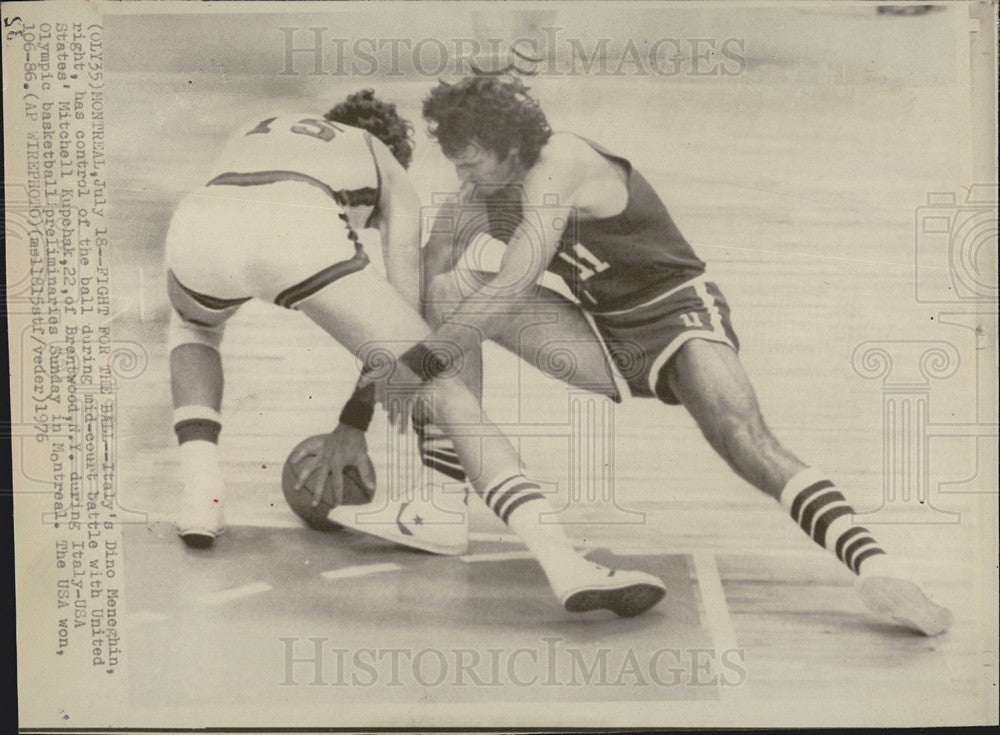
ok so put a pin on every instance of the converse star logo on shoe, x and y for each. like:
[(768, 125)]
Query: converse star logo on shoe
[(402, 526)]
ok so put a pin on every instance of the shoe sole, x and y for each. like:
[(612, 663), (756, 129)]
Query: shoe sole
[(626, 602), (199, 538), (904, 602)]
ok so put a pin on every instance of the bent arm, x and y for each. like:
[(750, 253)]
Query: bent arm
[(526, 256)]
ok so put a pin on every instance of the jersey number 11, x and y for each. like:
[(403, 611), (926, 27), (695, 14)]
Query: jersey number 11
[(584, 261)]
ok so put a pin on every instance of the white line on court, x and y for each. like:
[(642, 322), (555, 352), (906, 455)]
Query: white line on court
[(500, 538), (619, 551), (720, 625), (652, 550), (359, 571), (499, 556), (236, 593)]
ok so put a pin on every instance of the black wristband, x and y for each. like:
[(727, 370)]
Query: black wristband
[(426, 362), (360, 408)]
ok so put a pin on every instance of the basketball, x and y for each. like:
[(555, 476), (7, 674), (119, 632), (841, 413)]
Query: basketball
[(301, 500)]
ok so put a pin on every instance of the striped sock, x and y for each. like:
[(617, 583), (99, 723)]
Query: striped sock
[(823, 513), (519, 503), (436, 450)]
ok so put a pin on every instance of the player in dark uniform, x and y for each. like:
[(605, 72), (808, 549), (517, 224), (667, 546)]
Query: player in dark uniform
[(632, 272), (558, 202)]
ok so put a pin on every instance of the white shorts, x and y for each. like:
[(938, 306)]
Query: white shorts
[(281, 242)]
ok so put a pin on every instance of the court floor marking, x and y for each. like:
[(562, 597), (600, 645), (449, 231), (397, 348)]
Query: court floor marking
[(720, 625), (625, 548), (362, 570), (235, 593), (499, 556), (499, 538), (290, 521)]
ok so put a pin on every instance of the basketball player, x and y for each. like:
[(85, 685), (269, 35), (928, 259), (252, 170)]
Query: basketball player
[(559, 202), (277, 221)]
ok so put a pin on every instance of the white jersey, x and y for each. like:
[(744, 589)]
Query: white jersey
[(336, 157), (277, 220)]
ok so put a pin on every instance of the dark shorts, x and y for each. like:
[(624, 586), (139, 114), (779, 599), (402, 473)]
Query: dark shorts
[(642, 340)]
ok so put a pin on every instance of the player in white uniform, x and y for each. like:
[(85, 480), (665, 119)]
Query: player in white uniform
[(277, 221)]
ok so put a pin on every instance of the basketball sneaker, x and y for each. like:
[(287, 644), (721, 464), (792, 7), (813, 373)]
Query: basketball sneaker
[(583, 585), (200, 519), (892, 594), (428, 519)]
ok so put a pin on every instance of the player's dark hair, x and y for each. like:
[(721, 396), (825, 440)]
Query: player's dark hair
[(496, 112), (363, 110)]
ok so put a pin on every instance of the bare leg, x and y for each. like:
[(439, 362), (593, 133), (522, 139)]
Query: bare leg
[(547, 331), (196, 383), (547, 324), (712, 384), (196, 376)]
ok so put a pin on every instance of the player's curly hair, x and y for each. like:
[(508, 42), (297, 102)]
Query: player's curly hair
[(363, 110), (496, 112)]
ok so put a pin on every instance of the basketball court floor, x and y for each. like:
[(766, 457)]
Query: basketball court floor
[(802, 199)]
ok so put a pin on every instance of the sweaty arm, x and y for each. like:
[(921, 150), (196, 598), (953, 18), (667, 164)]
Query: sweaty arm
[(399, 225)]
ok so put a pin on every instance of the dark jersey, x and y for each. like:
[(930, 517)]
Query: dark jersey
[(612, 263)]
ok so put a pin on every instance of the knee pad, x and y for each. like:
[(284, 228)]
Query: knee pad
[(182, 332)]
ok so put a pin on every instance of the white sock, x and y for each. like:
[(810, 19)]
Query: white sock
[(200, 470), (518, 502), (197, 429)]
